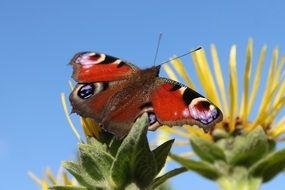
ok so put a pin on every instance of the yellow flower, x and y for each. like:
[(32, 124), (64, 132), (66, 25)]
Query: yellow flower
[(50, 180), (236, 114)]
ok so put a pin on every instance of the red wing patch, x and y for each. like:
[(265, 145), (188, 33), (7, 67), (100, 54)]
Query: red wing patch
[(169, 105), (94, 67), (175, 104)]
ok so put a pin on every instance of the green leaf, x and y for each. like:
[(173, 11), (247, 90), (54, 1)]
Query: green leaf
[(109, 144), (160, 180), (95, 162), (271, 145), (248, 149), (224, 168), (96, 144), (207, 150), (67, 188), (161, 153), (114, 146), (270, 166), (80, 174), (145, 168), (203, 168), (134, 160)]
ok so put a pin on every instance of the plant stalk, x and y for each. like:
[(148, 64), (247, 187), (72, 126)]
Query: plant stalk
[(229, 183)]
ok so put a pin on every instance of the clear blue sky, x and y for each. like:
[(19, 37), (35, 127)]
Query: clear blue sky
[(38, 38)]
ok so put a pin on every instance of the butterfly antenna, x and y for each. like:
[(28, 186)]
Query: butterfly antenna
[(189, 52), (157, 48)]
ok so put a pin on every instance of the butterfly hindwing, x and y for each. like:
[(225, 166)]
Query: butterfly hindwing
[(91, 67), (93, 99), (176, 104), (115, 105), (120, 119)]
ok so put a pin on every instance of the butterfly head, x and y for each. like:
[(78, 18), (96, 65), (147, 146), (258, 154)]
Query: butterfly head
[(151, 72)]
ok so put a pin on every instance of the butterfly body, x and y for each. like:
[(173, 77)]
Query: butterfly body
[(114, 93)]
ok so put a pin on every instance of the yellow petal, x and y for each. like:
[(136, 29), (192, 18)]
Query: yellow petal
[(280, 92), (169, 72), (279, 129), (219, 78), (34, 178), (51, 177), (90, 127), (187, 154), (264, 115), (278, 71), (198, 132), (162, 136), (85, 127), (246, 78), (177, 64), (205, 76), (70, 85), (66, 181), (221, 124), (279, 132), (272, 71), (272, 113), (279, 87), (257, 78), (44, 185), (180, 143), (176, 131), (268, 92), (68, 117), (96, 128), (74, 182), (233, 89)]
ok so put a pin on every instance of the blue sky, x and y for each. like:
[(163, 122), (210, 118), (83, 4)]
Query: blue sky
[(38, 38)]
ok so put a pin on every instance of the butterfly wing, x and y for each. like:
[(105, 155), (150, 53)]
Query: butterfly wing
[(89, 67), (90, 99), (123, 109), (115, 93), (175, 104), (115, 105)]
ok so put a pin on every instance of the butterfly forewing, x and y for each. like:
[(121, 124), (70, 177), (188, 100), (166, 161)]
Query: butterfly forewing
[(91, 67)]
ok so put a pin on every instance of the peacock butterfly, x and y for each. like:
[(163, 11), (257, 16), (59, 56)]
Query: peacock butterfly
[(114, 93)]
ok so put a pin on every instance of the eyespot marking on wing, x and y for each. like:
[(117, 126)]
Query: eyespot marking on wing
[(202, 110), (87, 90)]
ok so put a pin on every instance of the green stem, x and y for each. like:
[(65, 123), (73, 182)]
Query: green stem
[(229, 183)]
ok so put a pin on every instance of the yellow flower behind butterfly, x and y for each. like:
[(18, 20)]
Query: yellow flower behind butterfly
[(237, 110)]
